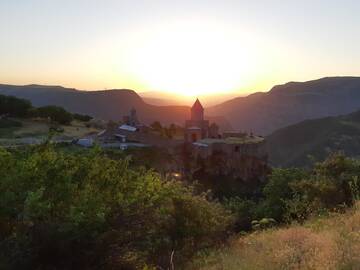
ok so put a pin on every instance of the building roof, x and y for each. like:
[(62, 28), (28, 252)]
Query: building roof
[(233, 140), (127, 128), (197, 105), (194, 128)]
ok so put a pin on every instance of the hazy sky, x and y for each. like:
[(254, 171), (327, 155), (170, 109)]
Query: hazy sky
[(189, 47)]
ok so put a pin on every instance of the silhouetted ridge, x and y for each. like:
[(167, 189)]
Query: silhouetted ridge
[(110, 104), (291, 103)]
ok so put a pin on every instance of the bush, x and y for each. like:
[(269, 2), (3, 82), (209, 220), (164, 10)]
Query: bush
[(14, 106), (277, 191), (9, 123), (329, 187), (296, 194), (82, 117), (62, 210), (243, 211), (55, 114)]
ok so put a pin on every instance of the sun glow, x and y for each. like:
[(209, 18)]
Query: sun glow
[(193, 59)]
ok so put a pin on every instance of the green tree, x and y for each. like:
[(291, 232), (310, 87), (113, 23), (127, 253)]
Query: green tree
[(328, 187), (55, 114), (82, 117), (14, 106), (277, 191), (64, 210)]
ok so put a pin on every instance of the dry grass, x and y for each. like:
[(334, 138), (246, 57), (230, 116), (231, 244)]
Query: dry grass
[(78, 129), (327, 243), (36, 130)]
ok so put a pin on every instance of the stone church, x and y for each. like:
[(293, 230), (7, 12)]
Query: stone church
[(197, 128)]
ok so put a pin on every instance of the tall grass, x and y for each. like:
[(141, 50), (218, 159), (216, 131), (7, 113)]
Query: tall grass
[(323, 243)]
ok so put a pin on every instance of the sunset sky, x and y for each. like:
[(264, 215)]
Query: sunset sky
[(186, 47)]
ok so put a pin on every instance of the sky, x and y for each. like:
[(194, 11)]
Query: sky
[(180, 47)]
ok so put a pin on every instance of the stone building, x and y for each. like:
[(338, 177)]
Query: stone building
[(196, 128), (238, 154), (214, 131), (242, 157)]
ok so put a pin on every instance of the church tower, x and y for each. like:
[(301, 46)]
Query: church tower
[(196, 128), (197, 111)]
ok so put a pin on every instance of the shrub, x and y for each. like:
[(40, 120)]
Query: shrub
[(82, 117), (14, 106), (277, 191), (243, 211), (62, 210), (330, 186), (55, 113), (9, 123)]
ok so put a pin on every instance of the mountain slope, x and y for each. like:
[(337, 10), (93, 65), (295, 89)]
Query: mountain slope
[(291, 103), (291, 146), (107, 104)]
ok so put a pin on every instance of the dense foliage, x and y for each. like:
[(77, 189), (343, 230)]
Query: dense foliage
[(9, 123), (289, 194), (55, 114), (61, 210), (82, 117), (17, 107), (14, 106), (286, 195)]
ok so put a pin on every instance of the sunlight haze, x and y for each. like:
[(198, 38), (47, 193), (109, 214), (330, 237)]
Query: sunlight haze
[(233, 47)]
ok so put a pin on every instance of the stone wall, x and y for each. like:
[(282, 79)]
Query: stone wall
[(245, 161)]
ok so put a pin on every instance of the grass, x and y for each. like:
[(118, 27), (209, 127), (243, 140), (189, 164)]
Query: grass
[(322, 243), (35, 129)]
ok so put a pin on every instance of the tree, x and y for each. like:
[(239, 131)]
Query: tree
[(14, 106), (56, 114), (156, 125), (63, 210), (277, 191), (82, 117)]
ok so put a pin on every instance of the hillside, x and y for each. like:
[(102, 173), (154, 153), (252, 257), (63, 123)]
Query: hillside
[(327, 243), (106, 104), (291, 103), (291, 146), (261, 113), (34, 131)]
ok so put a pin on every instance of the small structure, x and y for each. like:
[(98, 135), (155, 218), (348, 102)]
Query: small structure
[(85, 142), (127, 128), (132, 134)]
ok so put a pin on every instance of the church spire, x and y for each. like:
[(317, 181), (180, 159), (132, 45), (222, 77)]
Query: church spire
[(197, 105), (197, 111)]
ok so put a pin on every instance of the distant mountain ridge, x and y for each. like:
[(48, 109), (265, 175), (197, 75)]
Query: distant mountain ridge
[(292, 145), (106, 104), (287, 104), (261, 113), (166, 98)]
